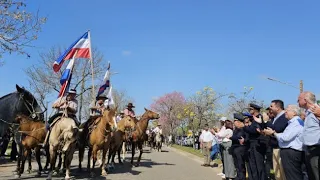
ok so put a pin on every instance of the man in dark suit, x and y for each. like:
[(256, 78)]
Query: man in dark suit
[(278, 124)]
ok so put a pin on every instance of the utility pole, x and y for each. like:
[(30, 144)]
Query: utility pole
[(301, 86)]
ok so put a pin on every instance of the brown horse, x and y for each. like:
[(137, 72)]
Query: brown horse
[(139, 135), (125, 126), (33, 133), (99, 139)]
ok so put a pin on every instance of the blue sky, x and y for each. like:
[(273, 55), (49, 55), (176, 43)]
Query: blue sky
[(164, 46)]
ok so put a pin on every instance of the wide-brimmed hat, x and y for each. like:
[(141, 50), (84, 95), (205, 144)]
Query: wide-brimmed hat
[(130, 105), (102, 97), (72, 91)]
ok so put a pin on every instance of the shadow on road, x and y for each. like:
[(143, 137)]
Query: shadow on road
[(127, 168)]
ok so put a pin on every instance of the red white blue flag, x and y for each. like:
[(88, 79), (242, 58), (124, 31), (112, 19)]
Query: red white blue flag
[(81, 46), (105, 83), (66, 78)]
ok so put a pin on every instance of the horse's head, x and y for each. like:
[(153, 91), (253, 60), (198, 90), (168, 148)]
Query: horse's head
[(28, 104), (21, 118), (69, 137), (110, 115), (127, 123), (150, 114)]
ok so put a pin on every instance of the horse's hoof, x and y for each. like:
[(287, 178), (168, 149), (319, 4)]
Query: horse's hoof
[(17, 176), (29, 171), (38, 174), (104, 173), (137, 165), (92, 174), (55, 173)]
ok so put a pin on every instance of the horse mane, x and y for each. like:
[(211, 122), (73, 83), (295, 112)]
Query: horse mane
[(8, 95)]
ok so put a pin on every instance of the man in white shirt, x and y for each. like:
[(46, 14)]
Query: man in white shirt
[(157, 129), (206, 139)]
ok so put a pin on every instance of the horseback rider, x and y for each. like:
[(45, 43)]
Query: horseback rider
[(119, 116), (158, 129), (98, 107), (129, 111), (69, 103)]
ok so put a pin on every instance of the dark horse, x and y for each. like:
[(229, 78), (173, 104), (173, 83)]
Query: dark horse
[(19, 102)]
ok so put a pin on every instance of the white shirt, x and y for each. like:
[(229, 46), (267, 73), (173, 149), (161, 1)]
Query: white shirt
[(157, 130), (147, 131), (73, 104), (227, 133), (206, 136), (221, 134)]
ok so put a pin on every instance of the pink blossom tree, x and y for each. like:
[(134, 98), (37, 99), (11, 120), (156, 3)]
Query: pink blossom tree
[(169, 106)]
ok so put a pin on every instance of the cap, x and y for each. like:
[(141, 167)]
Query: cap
[(72, 91), (206, 125), (130, 105), (223, 119), (238, 117), (246, 114), (254, 106)]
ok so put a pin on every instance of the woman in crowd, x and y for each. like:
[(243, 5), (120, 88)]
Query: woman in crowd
[(228, 164)]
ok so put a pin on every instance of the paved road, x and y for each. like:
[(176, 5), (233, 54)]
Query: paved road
[(171, 164)]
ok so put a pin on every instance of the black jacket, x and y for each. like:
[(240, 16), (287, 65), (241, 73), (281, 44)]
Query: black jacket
[(237, 134), (279, 126)]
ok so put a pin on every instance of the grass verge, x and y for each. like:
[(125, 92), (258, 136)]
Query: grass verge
[(193, 151)]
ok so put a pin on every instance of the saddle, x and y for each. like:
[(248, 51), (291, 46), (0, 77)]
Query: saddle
[(57, 119), (91, 124)]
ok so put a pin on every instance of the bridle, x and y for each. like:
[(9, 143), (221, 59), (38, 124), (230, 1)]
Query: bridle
[(29, 106)]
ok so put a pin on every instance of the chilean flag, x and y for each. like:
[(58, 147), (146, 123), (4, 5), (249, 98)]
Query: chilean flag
[(106, 82), (81, 46), (66, 78)]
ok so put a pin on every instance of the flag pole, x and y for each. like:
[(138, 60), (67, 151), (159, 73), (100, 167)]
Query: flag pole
[(91, 60)]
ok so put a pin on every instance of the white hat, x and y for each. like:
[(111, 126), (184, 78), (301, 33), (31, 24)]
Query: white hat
[(72, 91), (223, 119)]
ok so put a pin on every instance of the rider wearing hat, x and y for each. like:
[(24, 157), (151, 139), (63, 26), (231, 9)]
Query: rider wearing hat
[(158, 129), (98, 107), (68, 102), (129, 111)]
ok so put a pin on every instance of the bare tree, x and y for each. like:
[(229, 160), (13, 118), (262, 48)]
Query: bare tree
[(42, 77), (239, 103), (121, 99), (18, 27)]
